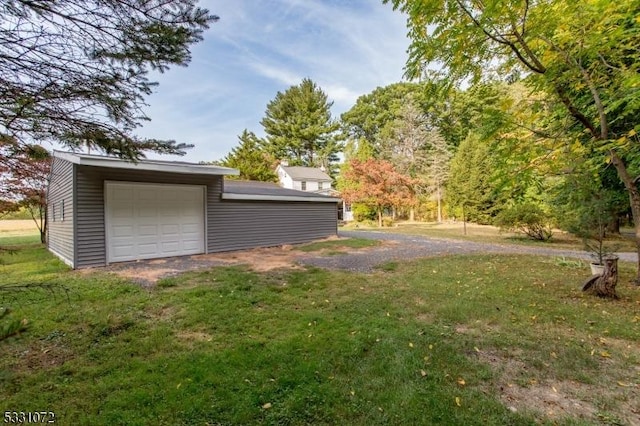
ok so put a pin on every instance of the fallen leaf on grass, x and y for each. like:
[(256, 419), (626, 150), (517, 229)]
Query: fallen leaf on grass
[(423, 373), (458, 401), (266, 406), (461, 381), (605, 354)]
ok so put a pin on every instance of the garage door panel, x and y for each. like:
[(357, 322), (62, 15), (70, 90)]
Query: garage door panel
[(190, 228), (147, 249), (171, 247), (122, 231), (147, 211), (122, 212), (190, 245), (124, 194), (147, 230), (170, 212), (146, 196), (122, 251), (172, 230), (146, 221)]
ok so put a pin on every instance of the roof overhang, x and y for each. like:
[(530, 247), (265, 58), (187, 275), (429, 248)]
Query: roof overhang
[(263, 197), (148, 165)]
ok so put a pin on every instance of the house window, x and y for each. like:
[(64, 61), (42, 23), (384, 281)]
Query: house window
[(303, 185), (53, 212), (319, 185)]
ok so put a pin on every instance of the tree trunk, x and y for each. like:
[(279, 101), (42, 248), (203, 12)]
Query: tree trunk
[(464, 221), (634, 201), (412, 214), (613, 227), (604, 285), (379, 218), (439, 205)]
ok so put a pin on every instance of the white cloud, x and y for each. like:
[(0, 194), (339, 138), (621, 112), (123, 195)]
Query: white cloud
[(259, 48), (341, 95), (281, 75)]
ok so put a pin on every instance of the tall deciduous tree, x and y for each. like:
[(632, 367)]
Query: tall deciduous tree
[(250, 158), (300, 128), (373, 113), (585, 54), (404, 144), (76, 71), (417, 149), (377, 184), (23, 182), (438, 164)]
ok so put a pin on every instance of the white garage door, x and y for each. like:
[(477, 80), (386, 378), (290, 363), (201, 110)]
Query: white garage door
[(146, 221)]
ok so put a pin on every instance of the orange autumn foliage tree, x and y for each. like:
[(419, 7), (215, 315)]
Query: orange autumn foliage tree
[(376, 184)]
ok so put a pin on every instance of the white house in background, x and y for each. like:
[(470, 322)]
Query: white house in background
[(308, 179), (311, 179)]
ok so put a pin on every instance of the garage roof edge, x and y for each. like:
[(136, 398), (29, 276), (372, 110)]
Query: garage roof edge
[(149, 165), (258, 197)]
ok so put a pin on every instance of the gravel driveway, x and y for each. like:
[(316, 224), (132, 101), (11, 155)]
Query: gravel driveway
[(397, 247), (413, 246)]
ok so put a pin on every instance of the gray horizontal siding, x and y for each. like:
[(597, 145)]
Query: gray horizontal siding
[(91, 244), (236, 225), (214, 192), (60, 191)]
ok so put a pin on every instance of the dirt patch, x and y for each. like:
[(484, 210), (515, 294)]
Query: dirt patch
[(425, 318), (164, 313), (148, 272), (147, 275), (42, 356), (552, 399), (196, 336), (259, 260)]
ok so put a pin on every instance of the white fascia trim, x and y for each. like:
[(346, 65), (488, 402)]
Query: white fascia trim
[(148, 165), (256, 197), (311, 180)]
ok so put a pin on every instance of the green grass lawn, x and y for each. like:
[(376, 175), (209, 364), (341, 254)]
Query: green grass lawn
[(340, 244), (462, 340)]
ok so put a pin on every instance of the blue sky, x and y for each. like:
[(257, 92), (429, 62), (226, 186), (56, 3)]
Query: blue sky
[(347, 47)]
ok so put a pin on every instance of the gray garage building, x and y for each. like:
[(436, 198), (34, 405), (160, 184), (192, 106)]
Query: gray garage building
[(103, 210)]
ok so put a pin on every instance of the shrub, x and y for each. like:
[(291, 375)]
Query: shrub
[(526, 218), (362, 212), (387, 222)]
